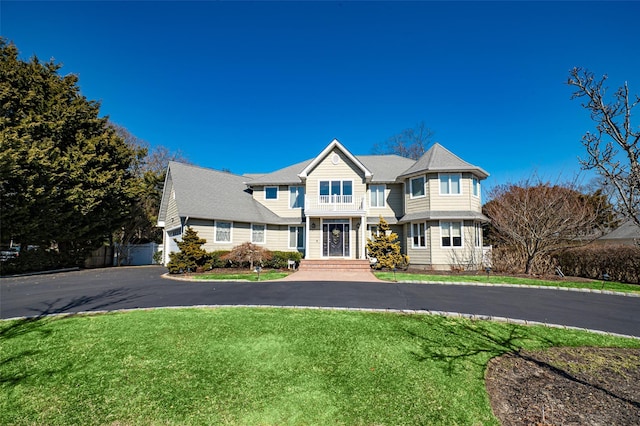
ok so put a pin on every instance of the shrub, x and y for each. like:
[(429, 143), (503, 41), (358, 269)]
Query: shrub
[(620, 262), (191, 257), (34, 260), (280, 259), (511, 259), (248, 254), (218, 259), (386, 249)]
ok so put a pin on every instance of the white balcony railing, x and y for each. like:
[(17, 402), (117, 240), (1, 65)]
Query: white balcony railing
[(335, 203), (335, 199)]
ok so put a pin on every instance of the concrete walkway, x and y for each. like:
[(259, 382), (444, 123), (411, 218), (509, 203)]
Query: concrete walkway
[(321, 275)]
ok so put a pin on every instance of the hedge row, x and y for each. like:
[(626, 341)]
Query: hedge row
[(620, 262), (35, 260), (279, 259)]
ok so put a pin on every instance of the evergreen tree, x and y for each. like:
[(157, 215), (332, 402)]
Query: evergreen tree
[(65, 175), (386, 249), (191, 257)]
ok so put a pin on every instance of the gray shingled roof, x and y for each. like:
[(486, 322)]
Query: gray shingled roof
[(439, 159), (210, 194), (385, 168), (443, 215), (286, 176)]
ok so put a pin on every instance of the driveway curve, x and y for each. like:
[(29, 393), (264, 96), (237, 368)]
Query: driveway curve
[(144, 287)]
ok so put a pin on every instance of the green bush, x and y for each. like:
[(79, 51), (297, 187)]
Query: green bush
[(620, 262), (280, 259), (218, 259), (34, 260), (385, 248), (191, 257)]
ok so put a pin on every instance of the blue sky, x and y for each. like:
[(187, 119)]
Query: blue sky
[(256, 86)]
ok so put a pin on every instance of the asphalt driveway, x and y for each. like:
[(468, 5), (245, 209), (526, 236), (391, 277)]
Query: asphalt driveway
[(143, 287)]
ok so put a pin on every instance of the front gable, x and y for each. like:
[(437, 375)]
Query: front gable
[(335, 154)]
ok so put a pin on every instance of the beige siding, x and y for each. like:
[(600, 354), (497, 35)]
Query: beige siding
[(277, 236), (315, 239), (172, 220), (415, 205), (393, 202), (205, 230), (417, 256), (279, 206), (464, 201), (344, 170), (466, 257)]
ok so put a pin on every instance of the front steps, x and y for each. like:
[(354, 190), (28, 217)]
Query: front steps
[(334, 265)]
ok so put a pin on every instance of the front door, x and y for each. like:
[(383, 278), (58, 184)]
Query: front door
[(335, 238)]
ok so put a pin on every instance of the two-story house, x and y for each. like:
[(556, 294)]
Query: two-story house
[(328, 206)]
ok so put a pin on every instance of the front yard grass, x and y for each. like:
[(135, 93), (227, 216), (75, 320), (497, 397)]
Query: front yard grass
[(244, 275), (499, 279), (241, 366)]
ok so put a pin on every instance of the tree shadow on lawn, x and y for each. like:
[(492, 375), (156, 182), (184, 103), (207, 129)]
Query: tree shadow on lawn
[(477, 343), (56, 310)]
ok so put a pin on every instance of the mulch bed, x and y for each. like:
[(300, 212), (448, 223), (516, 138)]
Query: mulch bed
[(566, 386)]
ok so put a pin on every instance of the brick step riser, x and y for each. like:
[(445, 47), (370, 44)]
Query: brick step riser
[(335, 265)]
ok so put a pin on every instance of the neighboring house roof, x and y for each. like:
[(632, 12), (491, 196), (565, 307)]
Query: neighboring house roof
[(210, 194), (628, 231), (443, 215), (439, 159)]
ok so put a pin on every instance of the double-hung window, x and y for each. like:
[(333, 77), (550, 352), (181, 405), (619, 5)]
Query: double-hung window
[(377, 195), (476, 186), (417, 235), (478, 235), (223, 232), (450, 184), (451, 233), (296, 197), (270, 192), (258, 234), (336, 191), (296, 237), (417, 187)]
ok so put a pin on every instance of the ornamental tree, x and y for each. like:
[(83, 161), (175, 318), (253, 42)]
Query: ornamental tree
[(384, 246), (248, 253)]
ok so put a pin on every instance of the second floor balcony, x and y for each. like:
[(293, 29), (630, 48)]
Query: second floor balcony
[(335, 205)]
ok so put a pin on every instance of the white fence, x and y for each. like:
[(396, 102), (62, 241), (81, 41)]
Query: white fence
[(135, 254)]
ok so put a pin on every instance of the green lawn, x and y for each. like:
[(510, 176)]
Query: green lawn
[(242, 276), (241, 366), (498, 279)]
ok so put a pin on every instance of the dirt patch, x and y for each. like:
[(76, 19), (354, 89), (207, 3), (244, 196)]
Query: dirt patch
[(566, 386)]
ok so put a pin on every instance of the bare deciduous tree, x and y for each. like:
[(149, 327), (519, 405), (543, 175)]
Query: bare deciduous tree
[(538, 219), (410, 143), (612, 151)]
